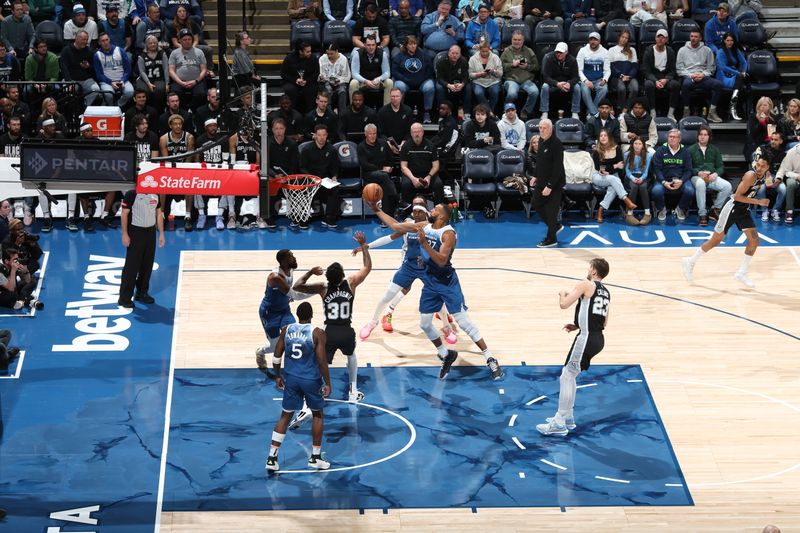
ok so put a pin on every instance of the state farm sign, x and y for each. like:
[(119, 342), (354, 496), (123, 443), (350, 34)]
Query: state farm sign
[(198, 178)]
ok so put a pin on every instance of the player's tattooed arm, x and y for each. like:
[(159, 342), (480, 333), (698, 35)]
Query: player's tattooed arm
[(302, 284)]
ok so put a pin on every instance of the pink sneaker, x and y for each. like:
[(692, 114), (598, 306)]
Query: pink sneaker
[(449, 335), (366, 330)]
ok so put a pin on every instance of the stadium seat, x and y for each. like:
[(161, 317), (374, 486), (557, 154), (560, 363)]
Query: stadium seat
[(478, 174), (509, 162), (337, 32), (306, 31), (531, 128), (680, 32), (614, 28), (579, 32), (513, 25), (762, 68), (647, 34), (663, 125), (53, 35), (689, 127), (547, 35), (752, 35), (570, 132), (349, 171)]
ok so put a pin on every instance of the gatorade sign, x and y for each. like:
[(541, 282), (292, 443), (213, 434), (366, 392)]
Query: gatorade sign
[(198, 178)]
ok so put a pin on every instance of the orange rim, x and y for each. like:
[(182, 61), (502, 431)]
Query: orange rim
[(296, 182)]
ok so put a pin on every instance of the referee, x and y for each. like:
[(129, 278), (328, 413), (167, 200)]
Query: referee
[(141, 214)]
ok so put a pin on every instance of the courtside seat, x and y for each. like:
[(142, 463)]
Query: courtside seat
[(479, 177), (508, 163)]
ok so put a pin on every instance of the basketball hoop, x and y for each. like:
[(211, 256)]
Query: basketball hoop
[(299, 190)]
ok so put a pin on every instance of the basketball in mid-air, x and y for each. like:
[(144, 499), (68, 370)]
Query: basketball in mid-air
[(372, 192)]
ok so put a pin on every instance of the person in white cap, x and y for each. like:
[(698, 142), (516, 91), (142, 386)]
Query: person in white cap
[(594, 70), (79, 21), (660, 77), (560, 74)]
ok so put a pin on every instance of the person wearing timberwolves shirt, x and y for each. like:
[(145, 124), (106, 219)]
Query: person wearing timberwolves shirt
[(9, 65)]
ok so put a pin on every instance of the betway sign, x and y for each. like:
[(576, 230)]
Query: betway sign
[(198, 178)]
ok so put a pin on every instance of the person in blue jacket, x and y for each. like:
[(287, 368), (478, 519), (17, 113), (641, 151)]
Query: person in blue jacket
[(718, 26), (482, 28), (412, 69), (732, 70)]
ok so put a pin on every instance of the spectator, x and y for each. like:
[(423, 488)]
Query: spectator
[(703, 10), (244, 70), (304, 9), (137, 12), (658, 71), (594, 70), (354, 119), (482, 131), (10, 69), (153, 73), (40, 10), (146, 141), (16, 283), (382, 7), (169, 11), (282, 151), (404, 24), (575, 10), (672, 163), (370, 69), (676, 9), (188, 70), (334, 75), (174, 108), (732, 70), (139, 107), (419, 165), (322, 114), (182, 21), (152, 25), (394, 121), (119, 30), (41, 65), (745, 9), (211, 109), (609, 167), (512, 130), (760, 126), (789, 173), (520, 68), (113, 70), (624, 69), (707, 174), (416, 8), (441, 29), (788, 125), (720, 25), (292, 119), (539, 10), (641, 11), (6, 208), (603, 120), (19, 108), (774, 187), (375, 160), (452, 77), (482, 29), (548, 186), (530, 158), (695, 64), (80, 21), (299, 72), (11, 139), (447, 136), (371, 24), (607, 10), (638, 123), (17, 32), (339, 10), (560, 73), (413, 70), (465, 10), (321, 160), (486, 71), (637, 170)]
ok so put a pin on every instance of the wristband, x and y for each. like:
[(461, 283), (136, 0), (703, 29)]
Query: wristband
[(276, 360)]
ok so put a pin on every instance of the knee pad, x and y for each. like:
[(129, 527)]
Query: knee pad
[(467, 326), (426, 323)]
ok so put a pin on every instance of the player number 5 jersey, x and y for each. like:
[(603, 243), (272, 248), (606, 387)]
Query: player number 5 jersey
[(299, 355)]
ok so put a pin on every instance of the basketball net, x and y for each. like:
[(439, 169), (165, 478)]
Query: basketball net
[(299, 191)]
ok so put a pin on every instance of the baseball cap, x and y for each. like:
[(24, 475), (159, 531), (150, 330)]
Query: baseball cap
[(78, 8), (508, 106), (562, 47), (184, 32), (85, 126), (484, 6), (210, 121), (724, 6), (112, 7), (594, 35), (662, 33)]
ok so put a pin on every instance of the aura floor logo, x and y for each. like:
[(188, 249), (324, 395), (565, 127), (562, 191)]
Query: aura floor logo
[(37, 163)]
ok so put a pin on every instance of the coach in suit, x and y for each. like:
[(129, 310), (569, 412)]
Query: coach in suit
[(548, 184)]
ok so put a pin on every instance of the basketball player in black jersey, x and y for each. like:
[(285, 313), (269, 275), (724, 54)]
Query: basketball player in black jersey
[(337, 297), (177, 141), (737, 212), (591, 317)]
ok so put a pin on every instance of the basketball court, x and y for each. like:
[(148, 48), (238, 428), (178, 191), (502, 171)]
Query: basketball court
[(157, 419)]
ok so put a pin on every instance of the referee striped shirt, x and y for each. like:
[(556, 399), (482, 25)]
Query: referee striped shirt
[(143, 208)]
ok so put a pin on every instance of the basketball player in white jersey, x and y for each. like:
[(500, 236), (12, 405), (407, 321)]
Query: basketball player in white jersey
[(411, 268), (737, 212), (305, 380), (591, 317), (441, 286)]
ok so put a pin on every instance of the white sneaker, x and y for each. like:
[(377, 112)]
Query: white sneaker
[(688, 269), (272, 464), (680, 213), (261, 356), (552, 428), (201, 221), (569, 422), (662, 215), (355, 396), (765, 216), (231, 222), (220, 223), (316, 461), (261, 223), (742, 278), (776, 215), (576, 116), (19, 304), (299, 418)]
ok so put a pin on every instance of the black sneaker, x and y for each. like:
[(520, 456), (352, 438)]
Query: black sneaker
[(88, 224), (144, 297), (447, 362), (72, 225), (187, 224), (108, 222), (271, 223), (47, 226), (494, 366), (547, 244), (126, 303), (303, 225), (560, 229), (329, 225), (37, 304)]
